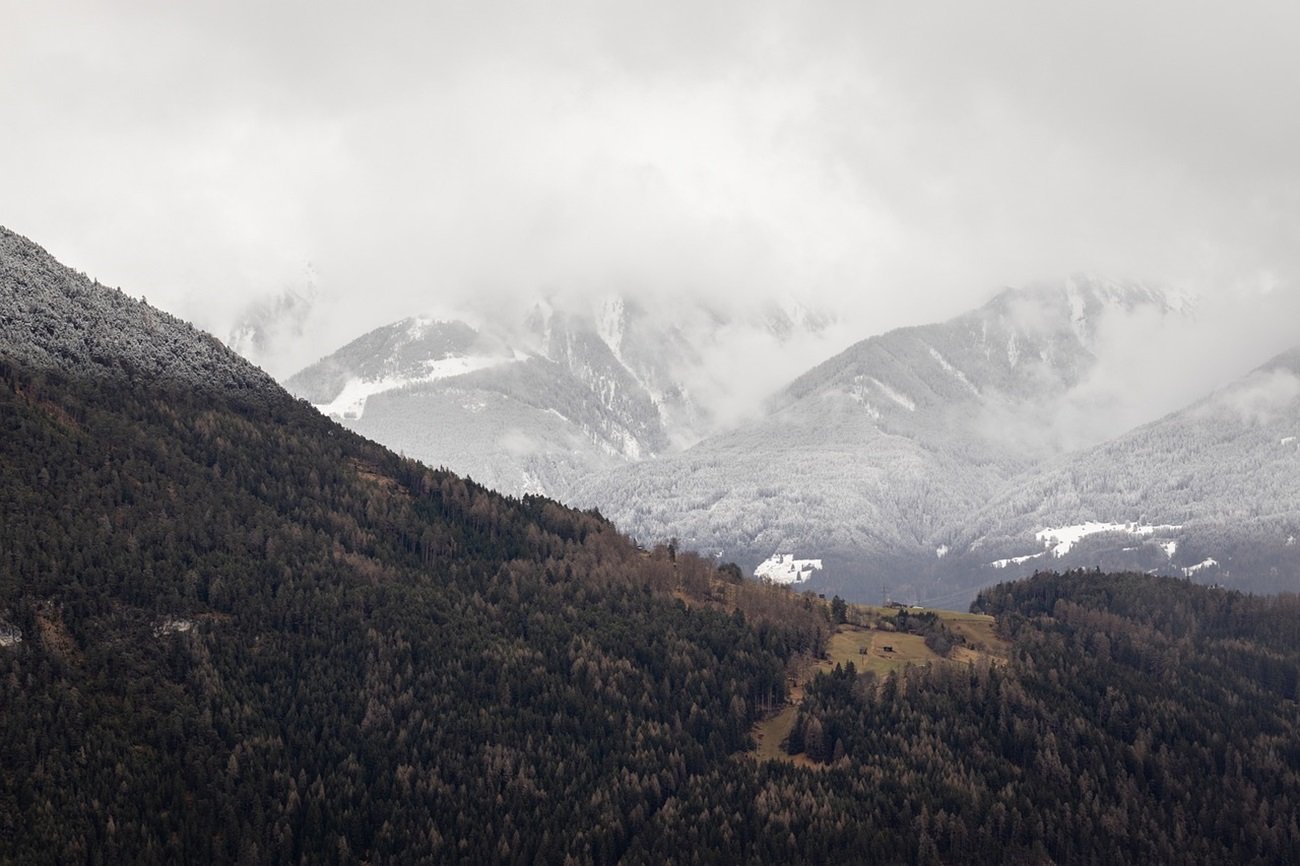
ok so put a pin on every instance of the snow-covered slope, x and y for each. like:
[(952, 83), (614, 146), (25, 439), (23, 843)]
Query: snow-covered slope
[(408, 353), (53, 317), (534, 404), (868, 459), (1211, 491)]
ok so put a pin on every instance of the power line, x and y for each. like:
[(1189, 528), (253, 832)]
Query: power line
[(956, 592)]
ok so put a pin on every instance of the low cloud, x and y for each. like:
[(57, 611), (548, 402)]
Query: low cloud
[(1150, 364), (1263, 397), (896, 163)]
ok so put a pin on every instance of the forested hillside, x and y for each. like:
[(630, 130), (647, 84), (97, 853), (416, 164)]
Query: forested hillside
[(235, 632), (249, 635), (1139, 720)]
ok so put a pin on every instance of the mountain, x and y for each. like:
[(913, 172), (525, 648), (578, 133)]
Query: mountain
[(453, 395), (408, 353), (1212, 490), (233, 631), (571, 389), (867, 460)]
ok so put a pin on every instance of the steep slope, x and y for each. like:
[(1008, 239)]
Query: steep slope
[(236, 632), (524, 427), (56, 319), (405, 354), (1212, 491), (519, 421), (572, 389), (867, 459)]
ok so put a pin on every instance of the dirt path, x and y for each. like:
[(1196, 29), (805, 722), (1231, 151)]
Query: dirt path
[(849, 643)]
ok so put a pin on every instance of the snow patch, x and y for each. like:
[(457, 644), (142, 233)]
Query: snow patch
[(1014, 560), (784, 568), (531, 483), (628, 446), (1013, 351), (1169, 547), (897, 396), (857, 397), (10, 635), (172, 625), (1203, 564), (941, 551), (1286, 440), (870, 408), (953, 371), (1065, 537), (351, 401)]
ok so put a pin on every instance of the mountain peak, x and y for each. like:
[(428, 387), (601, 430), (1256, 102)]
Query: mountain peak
[(416, 350), (1088, 295)]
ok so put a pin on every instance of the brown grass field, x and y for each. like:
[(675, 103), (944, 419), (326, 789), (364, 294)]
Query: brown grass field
[(877, 648)]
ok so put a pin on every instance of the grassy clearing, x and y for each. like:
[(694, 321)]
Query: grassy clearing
[(977, 628), (866, 649), (871, 644), (770, 733)]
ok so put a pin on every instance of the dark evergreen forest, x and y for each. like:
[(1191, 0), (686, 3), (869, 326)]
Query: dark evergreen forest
[(1138, 720), (249, 636)]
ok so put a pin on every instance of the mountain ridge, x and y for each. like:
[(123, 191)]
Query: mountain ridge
[(867, 459), (53, 317), (625, 384), (1227, 465)]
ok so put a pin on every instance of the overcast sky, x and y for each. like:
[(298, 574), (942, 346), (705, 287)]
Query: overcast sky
[(895, 162)]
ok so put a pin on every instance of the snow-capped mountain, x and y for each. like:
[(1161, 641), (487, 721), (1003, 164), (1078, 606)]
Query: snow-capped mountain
[(868, 459), (408, 353), (55, 318), (1211, 491), (570, 389)]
